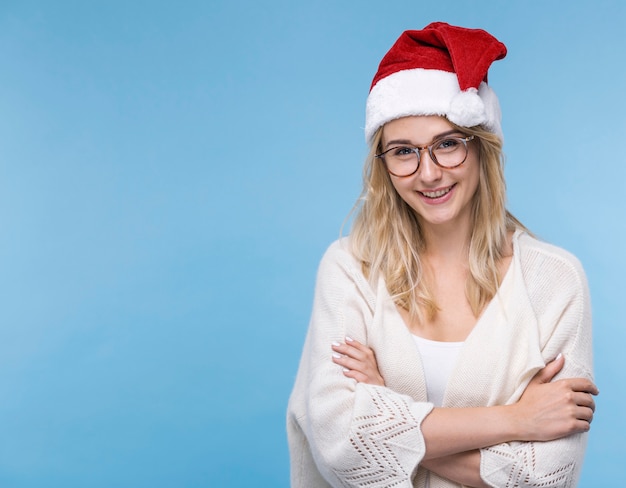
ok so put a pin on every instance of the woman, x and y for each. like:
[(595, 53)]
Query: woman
[(447, 346)]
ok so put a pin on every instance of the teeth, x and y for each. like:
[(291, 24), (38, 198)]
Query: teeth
[(436, 194)]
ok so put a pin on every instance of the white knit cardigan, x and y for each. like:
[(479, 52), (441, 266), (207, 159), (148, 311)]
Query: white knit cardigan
[(347, 434)]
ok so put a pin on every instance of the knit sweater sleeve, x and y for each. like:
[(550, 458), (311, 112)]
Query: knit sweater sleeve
[(342, 433), (558, 292)]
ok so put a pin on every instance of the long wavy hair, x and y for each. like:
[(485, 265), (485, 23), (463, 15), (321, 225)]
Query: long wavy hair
[(387, 238)]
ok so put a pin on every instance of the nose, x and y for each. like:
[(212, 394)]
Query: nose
[(428, 170)]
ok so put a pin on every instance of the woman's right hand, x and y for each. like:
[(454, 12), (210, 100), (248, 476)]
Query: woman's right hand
[(550, 410)]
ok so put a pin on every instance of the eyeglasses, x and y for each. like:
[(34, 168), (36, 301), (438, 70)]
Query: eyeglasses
[(447, 152)]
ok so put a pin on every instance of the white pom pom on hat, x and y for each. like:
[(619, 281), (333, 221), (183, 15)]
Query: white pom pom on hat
[(439, 70), (467, 108)]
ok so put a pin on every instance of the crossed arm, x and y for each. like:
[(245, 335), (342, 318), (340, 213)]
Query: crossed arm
[(547, 410)]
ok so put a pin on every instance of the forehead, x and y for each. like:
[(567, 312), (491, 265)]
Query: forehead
[(418, 129)]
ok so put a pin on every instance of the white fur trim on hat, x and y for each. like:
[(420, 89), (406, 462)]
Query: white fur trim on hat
[(430, 92)]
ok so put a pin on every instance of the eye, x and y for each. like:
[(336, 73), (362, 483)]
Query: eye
[(447, 145), (402, 151)]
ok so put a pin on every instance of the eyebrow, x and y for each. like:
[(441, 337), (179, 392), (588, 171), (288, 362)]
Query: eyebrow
[(407, 142)]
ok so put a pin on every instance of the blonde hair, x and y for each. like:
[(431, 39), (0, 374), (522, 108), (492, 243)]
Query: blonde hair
[(386, 235)]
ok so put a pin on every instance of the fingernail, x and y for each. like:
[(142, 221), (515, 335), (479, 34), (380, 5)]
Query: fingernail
[(336, 356), (336, 344), (345, 370), (349, 339), (558, 356)]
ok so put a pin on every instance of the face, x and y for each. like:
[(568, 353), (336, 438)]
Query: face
[(440, 197)]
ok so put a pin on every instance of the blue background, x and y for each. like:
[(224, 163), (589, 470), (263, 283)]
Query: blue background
[(170, 174)]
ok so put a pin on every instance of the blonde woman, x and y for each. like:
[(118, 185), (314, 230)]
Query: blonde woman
[(447, 346)]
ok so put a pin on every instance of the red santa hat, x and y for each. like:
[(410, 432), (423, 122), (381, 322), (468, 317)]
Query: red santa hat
[(440, 70)]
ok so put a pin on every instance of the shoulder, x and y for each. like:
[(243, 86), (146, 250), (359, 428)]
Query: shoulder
[(536, 252), (550, 269), (340, 269), (339, 255)]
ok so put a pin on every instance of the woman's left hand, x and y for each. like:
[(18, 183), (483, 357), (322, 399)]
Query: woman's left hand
[(358, 362)]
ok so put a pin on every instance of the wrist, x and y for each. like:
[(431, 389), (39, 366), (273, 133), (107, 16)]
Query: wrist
[(449, 431), (513, 423)]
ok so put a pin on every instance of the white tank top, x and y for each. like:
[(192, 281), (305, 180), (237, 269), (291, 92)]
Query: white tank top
[(438, 361)]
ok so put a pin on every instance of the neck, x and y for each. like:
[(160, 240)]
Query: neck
[(448, 243)]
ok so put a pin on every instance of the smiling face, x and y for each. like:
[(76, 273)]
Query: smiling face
[(440, 197)]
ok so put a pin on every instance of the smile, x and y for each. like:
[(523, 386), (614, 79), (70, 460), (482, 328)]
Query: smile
[(437, 193)]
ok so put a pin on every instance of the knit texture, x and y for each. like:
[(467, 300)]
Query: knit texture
[(344, 434)]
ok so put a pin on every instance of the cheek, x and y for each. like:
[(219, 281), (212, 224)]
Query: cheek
[(473, 173), (476, 179), (401, 187), (394, 185)]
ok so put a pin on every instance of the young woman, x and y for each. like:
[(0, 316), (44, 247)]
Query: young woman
[(447, 346)]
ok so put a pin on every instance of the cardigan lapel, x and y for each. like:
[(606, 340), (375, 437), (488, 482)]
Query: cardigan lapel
[(396, 353), (502, 353)]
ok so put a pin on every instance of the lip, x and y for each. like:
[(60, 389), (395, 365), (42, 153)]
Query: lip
[(438, 200)]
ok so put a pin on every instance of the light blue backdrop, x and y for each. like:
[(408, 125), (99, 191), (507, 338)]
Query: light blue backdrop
[(170, 174)]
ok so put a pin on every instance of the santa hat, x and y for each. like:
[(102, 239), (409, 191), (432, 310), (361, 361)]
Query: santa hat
[(440, 70)]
